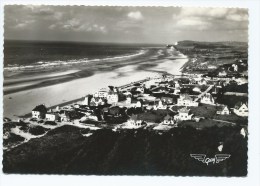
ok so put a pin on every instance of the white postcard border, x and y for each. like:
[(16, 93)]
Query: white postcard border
[(254, 104)]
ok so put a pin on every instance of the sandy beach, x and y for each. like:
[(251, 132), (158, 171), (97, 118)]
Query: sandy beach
[(22, 102)]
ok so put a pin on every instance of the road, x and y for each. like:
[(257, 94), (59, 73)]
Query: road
[(203, 93)]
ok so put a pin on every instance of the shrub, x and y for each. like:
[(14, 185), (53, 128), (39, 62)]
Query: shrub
[(38, 130)]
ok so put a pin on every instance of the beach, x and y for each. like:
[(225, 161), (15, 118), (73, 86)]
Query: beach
[(22, 101)]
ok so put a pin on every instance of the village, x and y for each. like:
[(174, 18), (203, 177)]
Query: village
[(160, 103)]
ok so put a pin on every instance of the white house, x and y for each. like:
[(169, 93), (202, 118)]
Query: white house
[(135, 121), (184, 114), (241, 109), (186, 100), (177, 91), (95, 101), (65, 117), (112, 97), (160, 105), (202, 82), (222, 73), (140, 89), (207, 99), (85, 101), (50, 116), (223, 110), (39, 112), (168, 120), (102, 93)]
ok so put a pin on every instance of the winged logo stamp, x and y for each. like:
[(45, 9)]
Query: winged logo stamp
[(218, 158)]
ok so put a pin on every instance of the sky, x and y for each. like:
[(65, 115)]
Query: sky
[(158, 25)]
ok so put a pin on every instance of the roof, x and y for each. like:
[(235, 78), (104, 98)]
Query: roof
[(185, 97), (239, 104), (184, 110), (40, 108), (167, 98), (167, 117), (134, 117), (221, 107), (208, 96)]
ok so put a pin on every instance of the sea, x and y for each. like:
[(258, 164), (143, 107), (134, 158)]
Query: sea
[(22, 55)]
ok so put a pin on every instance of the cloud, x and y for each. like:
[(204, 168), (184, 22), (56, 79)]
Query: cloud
[(24, 24), (211, 18), (237, 17), (193, 22), (137, 15), (204, 12)]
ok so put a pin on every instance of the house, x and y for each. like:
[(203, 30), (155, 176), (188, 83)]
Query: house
[(207, 99), (196, 89), (112, 97), (140, 89), (160, 105), (135, 103), (222, 73), (241, 109), (51, 116), (102, 93), (235, 67), (177, 84), (39, 111), (184, 114), (135, 121), (167, 100), (125, 103), (177, 91), (96, 101), (85, 101), (223, 110), (65, 116), (202, 82), (168, 120), (212, 67), (186, 100), (192, 81)]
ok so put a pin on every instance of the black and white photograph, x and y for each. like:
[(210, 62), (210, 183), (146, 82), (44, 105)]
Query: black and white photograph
[(125, 90)]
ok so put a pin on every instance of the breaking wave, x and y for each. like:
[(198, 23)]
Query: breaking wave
[(58, 63)]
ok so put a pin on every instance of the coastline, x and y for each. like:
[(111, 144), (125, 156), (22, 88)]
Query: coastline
[(22, 102)]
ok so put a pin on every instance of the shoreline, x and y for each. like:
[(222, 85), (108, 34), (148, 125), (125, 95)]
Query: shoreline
[(22, 102)]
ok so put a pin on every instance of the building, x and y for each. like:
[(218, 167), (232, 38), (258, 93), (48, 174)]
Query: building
[(223, 110), (167, 100), (186, 100), (85, 101), (135, 121), (202, 82), (160, 105), (50, 116), (39, 111), (222, 73), (96, 101), (168, 120), (207, 99), (184, 114), (112, 97), (140, 89), (241, 109), (177, 91), (102, 93), (65, 116), (137, 104)]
